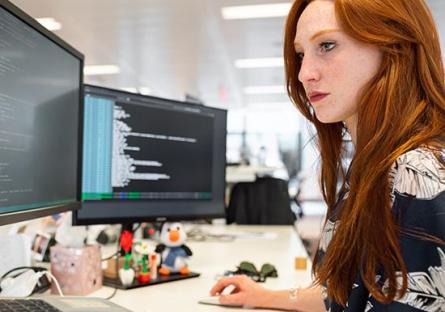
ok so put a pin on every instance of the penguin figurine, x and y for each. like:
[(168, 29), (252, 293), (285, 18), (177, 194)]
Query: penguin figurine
[(172, 249)]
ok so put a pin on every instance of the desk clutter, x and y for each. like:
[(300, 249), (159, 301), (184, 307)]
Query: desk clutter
[(79, 268), (144, 265)]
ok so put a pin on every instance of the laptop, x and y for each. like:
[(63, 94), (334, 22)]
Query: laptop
[(57, 303)]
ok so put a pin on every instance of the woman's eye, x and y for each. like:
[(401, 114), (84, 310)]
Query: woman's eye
[(300, 55), (327, 46)]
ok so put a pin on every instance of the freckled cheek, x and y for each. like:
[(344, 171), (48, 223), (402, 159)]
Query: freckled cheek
[(339, 81), (367, 65), (346, 80)]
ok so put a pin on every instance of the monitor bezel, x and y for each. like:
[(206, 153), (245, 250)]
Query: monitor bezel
[(13, 217), (127, 220)]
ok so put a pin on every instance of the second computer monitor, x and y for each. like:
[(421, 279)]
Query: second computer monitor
[(147, 158)]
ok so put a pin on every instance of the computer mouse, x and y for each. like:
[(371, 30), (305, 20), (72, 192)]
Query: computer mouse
[(214, 300)]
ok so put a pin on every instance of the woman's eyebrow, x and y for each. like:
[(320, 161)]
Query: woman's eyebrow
[(316, 35), (322, 32)]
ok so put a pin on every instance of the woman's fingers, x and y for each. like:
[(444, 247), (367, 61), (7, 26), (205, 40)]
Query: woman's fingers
[(220, 285), (236, 281), (233, 299)]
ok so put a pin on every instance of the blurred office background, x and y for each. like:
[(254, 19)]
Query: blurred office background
[(224, 53)]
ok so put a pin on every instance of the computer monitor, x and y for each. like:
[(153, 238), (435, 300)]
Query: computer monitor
[(40, 109), (150, 159)]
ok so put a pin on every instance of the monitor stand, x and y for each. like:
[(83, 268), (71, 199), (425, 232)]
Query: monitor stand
[(116, 282)]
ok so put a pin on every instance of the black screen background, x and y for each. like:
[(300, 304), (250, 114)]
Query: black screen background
[(189, 165)]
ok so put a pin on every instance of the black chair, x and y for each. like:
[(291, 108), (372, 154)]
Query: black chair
[(265, 201)]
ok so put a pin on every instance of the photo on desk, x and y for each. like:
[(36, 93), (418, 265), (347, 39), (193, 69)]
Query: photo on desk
[(39, 245)]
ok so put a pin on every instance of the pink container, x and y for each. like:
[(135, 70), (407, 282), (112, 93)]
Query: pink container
[(78, 270)]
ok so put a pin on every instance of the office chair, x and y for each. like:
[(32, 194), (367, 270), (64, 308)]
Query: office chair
[(264, 201)]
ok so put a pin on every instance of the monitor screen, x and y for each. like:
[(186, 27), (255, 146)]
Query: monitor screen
[(147, 158), (40, 109)]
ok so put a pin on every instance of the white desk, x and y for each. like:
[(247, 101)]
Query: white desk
[(213, 258)]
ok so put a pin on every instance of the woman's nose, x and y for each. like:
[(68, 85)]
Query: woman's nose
[(309, 71)]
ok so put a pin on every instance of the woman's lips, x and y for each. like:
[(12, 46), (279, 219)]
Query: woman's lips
[(317, 97)]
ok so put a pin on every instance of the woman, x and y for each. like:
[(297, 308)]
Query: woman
[(371, 69)]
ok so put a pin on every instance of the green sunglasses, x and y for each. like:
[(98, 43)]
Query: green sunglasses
[(249, 269)]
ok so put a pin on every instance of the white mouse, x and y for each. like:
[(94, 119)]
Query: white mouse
[(214, 300)]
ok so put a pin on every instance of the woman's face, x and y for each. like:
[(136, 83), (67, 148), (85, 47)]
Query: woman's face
[(334, 66)]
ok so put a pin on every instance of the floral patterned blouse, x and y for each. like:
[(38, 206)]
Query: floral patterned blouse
[(418, 193)]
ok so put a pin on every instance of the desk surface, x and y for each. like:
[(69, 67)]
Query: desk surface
[(279, 247)]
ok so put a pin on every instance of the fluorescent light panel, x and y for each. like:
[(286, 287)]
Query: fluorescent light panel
[(140, 90), (144, 90), (279, 89), (260, 62), (91, 70), (49, 23), (130, 89), (256, 11)]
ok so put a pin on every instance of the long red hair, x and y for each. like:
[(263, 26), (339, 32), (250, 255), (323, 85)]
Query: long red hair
[(402, 107)]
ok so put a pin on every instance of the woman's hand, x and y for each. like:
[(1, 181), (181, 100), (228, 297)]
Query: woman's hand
[(246, 292)]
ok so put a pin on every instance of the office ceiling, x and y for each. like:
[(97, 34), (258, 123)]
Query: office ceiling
[(176, 47), (173, 47)]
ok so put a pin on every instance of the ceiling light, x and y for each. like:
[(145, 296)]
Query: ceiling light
[(256, 11), (130, 89), (265, 89), (144, 90), (260, 62), (91, 70), (49, 23)]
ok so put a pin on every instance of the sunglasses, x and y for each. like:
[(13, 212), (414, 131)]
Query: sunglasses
[(249, 269)]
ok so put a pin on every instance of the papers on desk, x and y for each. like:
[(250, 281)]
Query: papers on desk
[(227, 235), (236, 234), (254, 235)]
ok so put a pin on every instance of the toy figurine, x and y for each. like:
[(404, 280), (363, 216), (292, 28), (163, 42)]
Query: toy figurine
[(142, 248), (126, 274), (172, 249), (153, 266)]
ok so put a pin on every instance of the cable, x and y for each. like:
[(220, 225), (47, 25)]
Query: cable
[(109, 257), (39, 272), (112, 294), (137, 227), (53, 278), (24, 268)]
